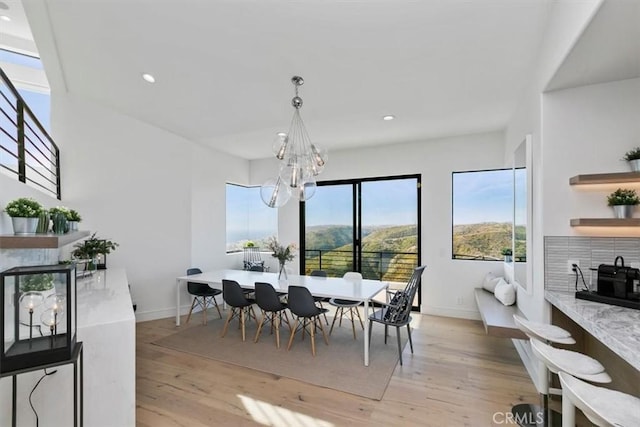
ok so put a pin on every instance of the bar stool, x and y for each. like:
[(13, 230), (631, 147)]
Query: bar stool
[(601, 406), (526, 414)]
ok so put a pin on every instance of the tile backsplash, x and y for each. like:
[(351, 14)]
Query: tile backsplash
[(590, 252)]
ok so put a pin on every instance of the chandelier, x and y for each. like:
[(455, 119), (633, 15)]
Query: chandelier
[(300, 160)]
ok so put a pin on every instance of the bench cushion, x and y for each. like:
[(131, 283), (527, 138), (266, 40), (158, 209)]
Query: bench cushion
[(498, 318)]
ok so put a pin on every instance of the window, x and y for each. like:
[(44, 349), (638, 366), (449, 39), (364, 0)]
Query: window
[(248, 219), (482, 214)]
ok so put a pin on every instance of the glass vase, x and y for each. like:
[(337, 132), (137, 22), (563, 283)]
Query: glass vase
[(282, 274)]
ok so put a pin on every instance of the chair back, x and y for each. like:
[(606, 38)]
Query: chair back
[(233, 295), (318, 273), (403, 300), (301, 302), (267, 297), (352, 275), (196, 288)]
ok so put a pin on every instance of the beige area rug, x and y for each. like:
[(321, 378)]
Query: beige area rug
[(339, 366)]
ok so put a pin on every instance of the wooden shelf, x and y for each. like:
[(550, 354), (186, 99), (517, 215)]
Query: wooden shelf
[(605, 222), (40, 241), (605, 178)]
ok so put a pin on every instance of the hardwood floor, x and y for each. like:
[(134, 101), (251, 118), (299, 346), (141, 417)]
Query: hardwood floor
[(458, 376)]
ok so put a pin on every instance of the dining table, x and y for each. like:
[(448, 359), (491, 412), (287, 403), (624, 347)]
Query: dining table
[(325, 287)]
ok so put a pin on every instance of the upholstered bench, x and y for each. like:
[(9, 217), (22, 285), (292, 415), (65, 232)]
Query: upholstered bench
[(497, 317)]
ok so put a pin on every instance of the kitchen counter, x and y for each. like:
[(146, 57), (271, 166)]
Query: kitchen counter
[(618, 328)]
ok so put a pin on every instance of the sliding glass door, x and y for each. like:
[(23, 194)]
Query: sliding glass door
[(370, 225)]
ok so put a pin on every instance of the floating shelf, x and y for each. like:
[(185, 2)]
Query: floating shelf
[(605, 178), (605, 222), (40, 241)]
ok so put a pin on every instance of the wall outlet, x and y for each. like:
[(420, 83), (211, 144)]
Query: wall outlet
[(570, 265), (460, 300)]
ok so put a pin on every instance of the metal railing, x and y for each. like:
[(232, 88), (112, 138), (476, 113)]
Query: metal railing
[(381, 265), (27, 152)]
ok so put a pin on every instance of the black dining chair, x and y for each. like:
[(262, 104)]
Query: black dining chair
[(320, 300), (301, 304), (241, 306), (272, 309), (346, 307), (397, 311), (203, 296)]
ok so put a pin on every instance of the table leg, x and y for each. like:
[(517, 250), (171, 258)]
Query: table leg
[(366, 336), (177, 302)]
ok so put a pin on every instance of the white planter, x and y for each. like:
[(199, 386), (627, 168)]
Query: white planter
[(623, 211), (24, 225), (73, 225), (635, 165)]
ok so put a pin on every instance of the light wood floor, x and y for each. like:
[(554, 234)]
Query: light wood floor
[(458, 376)]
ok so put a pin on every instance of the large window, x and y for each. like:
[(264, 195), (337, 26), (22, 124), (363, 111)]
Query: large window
[(482, 214), (248, 219)]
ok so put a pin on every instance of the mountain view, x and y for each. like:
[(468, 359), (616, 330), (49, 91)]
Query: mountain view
[(486, 240)]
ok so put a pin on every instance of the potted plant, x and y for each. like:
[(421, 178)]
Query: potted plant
[(507, 253), (24, 213), (633, 157), (623, 202), (73, 218), (93, 248), (58, 217)]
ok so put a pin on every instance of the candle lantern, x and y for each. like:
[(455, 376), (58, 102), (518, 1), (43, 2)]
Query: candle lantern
[(38, 316)]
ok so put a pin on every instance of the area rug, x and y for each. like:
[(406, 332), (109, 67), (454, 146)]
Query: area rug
[(338, 366)]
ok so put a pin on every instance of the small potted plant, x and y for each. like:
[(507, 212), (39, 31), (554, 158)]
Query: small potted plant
[(73, 218), (24, 213), (633, 157), (623, 201), (58, 217), (507, 253), (93, 251)]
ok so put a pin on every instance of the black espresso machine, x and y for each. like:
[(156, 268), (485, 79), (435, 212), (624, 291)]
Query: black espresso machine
[(617, 285)]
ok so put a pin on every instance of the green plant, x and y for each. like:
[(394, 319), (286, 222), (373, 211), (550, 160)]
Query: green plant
[(59, 209), (91, 247), (23, 207), (73, 216), (632, 154), (507, 252), (249, 244), (623, 197), (36, 282), (283, 253)]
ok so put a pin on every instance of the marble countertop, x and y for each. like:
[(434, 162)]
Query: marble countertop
[(616, 327), (104, 298)]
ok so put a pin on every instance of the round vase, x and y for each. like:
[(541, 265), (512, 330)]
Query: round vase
[(623, 211), (282, 274), (24, 225)]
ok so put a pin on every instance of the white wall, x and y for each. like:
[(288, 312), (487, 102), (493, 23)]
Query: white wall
[(587, 130), (158, 195), (445, 280), (567, 20)]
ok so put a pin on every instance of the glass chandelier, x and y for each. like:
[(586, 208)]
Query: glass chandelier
[(300, 160)]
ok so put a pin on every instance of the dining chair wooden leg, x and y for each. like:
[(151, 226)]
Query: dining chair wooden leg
[(226, 324), (273, 321), (242, 316), (353, 323), (313, 338), (204, 310), (338, 310), (370, 326), (260, 327), (359, 318), (326, 339), (215, 302), (386, 333), (193, 303), (293, 333), (410, 341)]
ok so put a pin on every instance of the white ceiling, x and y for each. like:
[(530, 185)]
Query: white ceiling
[(223, 68)]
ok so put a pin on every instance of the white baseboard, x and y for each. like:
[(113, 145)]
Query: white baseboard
[(523, 347), (452, 312), (143, 316)]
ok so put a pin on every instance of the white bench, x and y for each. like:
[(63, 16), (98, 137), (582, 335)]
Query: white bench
[(497, 317)]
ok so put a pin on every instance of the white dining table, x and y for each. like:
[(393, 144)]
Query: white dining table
[(329, 287)]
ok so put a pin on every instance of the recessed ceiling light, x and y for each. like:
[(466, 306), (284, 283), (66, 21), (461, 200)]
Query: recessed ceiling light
[(388, 117), (149, 78), (5, 18)]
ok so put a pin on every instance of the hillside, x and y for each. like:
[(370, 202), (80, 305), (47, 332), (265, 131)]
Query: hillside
[(485, 240)]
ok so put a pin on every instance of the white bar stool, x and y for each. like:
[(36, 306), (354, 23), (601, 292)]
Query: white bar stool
[(602, 406), (528, 414)]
